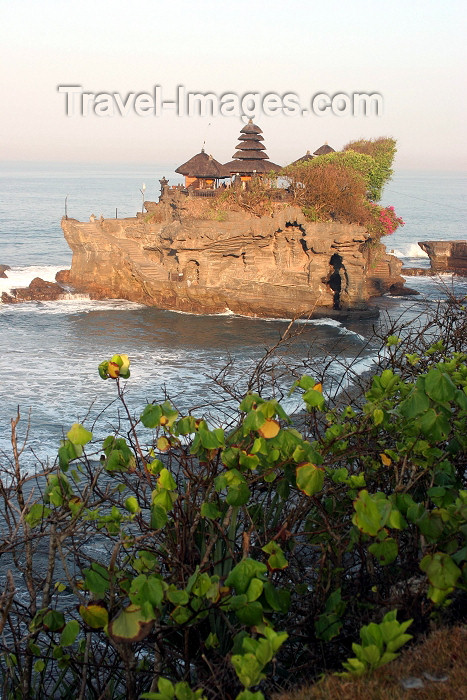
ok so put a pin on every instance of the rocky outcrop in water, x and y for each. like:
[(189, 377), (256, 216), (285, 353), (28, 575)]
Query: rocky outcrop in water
[(3, 269), (38, 290), (271, 266), (447, 256)]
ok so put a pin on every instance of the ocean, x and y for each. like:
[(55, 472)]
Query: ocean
[(50, 351)]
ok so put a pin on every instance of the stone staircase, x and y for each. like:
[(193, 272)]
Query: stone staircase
[(151, 271), (132, 252)]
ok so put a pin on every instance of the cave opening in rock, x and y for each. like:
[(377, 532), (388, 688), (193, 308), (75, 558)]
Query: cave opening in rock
[(335, 279)]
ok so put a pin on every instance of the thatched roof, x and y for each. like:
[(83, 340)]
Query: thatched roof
[(250, 156), (323, 150), (248, 167), (303, 159), (251, 137), (251, 128), (250, 146), (202, 166)]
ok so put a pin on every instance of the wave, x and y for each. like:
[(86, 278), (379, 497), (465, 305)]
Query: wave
[(18, 276), (412, 250), (71, 304)]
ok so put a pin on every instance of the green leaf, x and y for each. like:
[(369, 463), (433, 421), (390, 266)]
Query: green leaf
[(146, 589), (39, 666), (210, 510), (132, 505), (439, 386), (131, 625), (166, 480), (69, 634), (211, 439), (416, 403), (314, 399), (396, 520), (371, 512), (430, 524), (249, 695), (159, 517), (166, 687), (94, 615), (96, 579), (378, 416), (54, 620), (78, 435), (238, 495), (155, 467), (386, 551), (178, 597), (181, 615), (328, 626), (36, 514), (254, 590), (251, 614), (370, 654), (164, 498), (441, 570), (243, 572), (276, 559), (186, 426), (310, 478), (151, 416), (248, 669), (434, 425), (248, 461)]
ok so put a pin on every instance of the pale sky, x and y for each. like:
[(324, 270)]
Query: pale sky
[(411, 52)]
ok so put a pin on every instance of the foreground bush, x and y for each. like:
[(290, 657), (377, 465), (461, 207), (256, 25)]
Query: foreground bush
[(185, 560)]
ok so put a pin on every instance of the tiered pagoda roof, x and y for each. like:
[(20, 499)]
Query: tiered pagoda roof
[(203, 166), (250, 156)]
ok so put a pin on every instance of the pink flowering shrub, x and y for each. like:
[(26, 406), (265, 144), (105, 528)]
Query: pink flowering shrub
[(384, 220)]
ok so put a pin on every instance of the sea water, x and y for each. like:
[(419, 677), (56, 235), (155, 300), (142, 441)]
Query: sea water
[(49, 351)]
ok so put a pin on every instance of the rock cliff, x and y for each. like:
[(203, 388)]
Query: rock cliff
[(279, 265)]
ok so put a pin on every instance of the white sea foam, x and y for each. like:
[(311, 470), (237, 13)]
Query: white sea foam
[(326, 322), (412, 250), (23, 276), (337, 324), (71, 304)]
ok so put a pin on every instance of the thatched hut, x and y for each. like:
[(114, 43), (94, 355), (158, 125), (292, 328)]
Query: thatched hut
[(202, 171)]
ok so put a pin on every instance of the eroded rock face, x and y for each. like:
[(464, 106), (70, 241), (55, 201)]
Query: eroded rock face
[(271, 266), (447, 256)]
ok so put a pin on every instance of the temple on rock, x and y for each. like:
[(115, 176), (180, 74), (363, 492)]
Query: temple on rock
[(204, 174), (250, 158)]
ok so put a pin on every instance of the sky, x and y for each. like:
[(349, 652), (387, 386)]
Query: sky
[(409, 52)]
